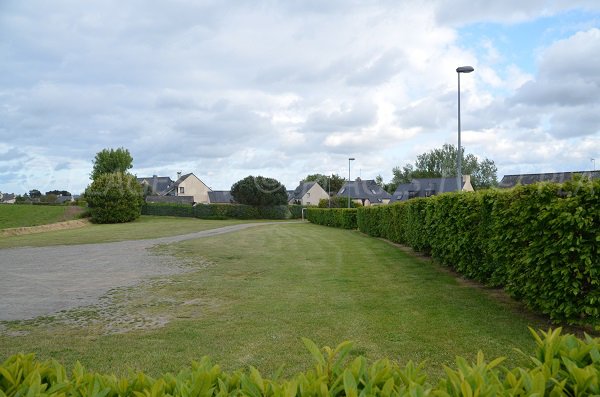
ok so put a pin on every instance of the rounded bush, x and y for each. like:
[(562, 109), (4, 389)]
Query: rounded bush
[(114, 198)]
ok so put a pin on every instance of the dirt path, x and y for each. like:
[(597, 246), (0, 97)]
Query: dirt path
[(40, 281)]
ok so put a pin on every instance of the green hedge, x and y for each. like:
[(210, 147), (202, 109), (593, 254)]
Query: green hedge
[(221, 211), (344, 218), (540, 242), (562, 365)]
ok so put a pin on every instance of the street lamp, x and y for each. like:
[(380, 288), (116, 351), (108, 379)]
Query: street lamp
[(459, 70), (349, 160), (593, 164)]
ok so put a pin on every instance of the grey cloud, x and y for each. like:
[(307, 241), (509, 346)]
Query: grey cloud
[(587, 121), (355, 116), (429, 114)]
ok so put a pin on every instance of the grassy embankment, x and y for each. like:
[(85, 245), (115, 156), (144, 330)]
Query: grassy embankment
[(19, 215), (251, 295)]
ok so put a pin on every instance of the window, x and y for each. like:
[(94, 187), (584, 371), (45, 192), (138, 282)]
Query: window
[(429, 192), (181, 190), (412, 194)]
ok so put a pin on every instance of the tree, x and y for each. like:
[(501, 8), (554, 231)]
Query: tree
[(441, 162), (331, 183), (34, 193), (59, 193), (109, 160), (114, 198), (259, 191)]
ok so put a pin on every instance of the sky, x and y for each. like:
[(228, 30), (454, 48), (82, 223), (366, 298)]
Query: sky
[(284, 89)]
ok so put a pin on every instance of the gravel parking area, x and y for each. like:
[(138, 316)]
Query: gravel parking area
[(41, 281)]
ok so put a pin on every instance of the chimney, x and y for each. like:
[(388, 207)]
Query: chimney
[(178, 175)]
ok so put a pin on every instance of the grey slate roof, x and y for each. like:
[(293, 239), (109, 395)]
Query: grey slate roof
[(424, 187), (171, 199), (364, 190), (301, 190), (158, 184), (63, 199), (509, 181), (220, 197)]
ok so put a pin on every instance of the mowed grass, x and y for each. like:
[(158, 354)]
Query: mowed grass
[(251, 295), (144, 227), (19, 215)]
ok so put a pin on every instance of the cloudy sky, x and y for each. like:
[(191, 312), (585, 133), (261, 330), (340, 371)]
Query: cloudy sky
[(226, 89)]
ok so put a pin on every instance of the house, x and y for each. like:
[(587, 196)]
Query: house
[(189, 185), (220, 197), (64, 199), (366, 192), (510, 181), (307, 193), (426, 187), (156, 185), (7, 198)]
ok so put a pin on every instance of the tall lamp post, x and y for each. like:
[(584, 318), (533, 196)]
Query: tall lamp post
[(459, 70), (593, 164), (349, 160)]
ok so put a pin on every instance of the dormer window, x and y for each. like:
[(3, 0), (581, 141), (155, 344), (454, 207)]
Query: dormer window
[(429, 192), (412, 194)]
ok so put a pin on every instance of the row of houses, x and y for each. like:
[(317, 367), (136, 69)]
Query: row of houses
[(189, 189)]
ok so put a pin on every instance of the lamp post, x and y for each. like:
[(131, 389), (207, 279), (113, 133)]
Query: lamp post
[(349, 160), (593, 164), (459, 70)]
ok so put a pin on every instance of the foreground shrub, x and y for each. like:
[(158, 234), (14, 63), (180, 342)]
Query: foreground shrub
[(114, 198), (561, 365), (344, 218)]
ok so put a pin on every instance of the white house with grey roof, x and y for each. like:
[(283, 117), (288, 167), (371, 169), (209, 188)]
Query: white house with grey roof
[(187, 189), (365, 192), (307, 193), (426, 187)]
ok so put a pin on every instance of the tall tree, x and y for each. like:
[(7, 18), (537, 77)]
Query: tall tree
[(109, 161), (259, 191), (333, 182), (441, 162), (34, 193)]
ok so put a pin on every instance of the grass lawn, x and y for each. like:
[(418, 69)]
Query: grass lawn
[(144, 227), (251, 295), (20, 215)]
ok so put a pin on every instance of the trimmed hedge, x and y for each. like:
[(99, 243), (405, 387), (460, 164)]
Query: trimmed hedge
[(344, 218), (562, 365), (220, 211), (540, 242)]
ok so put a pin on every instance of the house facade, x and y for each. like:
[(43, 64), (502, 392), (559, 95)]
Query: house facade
[(7, 198), (190, 185), (426, 187), (510, 181), (366, 192), (307, 193)]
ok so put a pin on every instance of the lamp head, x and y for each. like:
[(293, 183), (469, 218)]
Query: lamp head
[(464, 69), (351, 159)]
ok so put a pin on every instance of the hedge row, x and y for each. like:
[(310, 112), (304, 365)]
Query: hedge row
[(336, 217), (540, 242), (562, 365), (223, 211)]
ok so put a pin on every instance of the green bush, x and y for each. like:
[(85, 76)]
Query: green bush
[(344, 218), (562, 365), (295, 211), (114, 198), (540, 242), (218, 211)]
